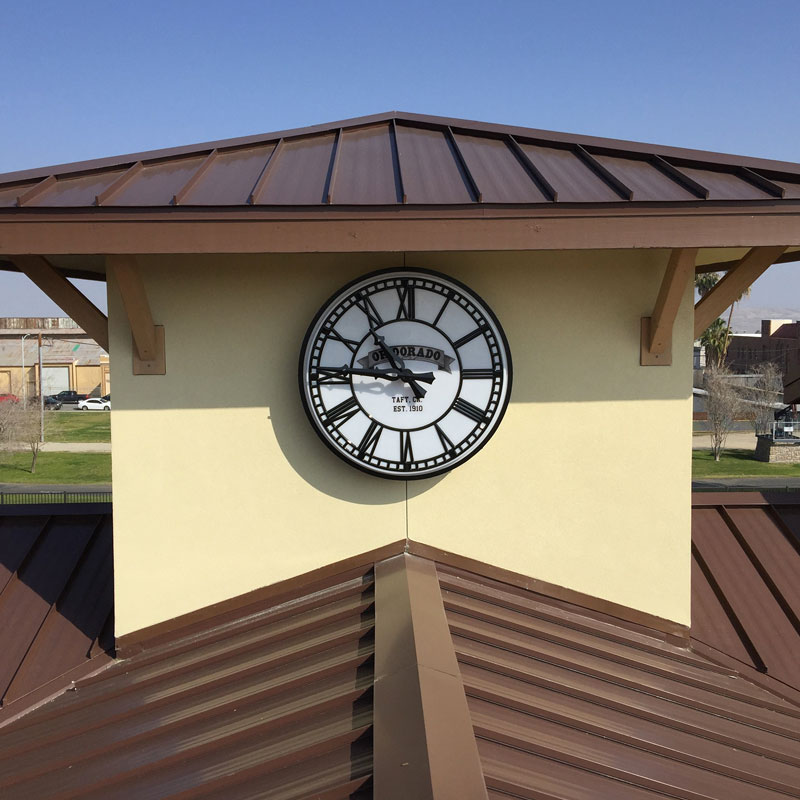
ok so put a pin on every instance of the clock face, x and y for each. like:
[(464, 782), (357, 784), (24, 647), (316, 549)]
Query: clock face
[(405, 373)]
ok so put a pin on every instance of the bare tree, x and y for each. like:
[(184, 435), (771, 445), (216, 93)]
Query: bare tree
[(20, 428), (766, 391), (722, 404)]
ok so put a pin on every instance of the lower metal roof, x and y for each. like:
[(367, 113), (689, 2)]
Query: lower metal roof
[(409, 672)]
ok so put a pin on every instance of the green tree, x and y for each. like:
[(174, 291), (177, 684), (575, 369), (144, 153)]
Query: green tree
[(705, 282), (714, 339)]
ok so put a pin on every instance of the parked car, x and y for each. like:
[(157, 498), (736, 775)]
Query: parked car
[(69, 396), (94, 404), (9, 398), (50, 403)]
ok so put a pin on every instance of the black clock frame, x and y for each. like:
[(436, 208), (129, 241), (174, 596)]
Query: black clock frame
[(342, 292)]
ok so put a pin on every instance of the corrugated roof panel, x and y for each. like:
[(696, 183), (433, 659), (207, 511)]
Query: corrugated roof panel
[(75, 192), (646, 181), (560, 710), (156, 184), (366, 173), (724, 185), (279, 700), (749, 597), (574, 181), (497, 171), (710, 621), (55, 595), (430, 169), (300, 174), (792, 189), (75, 622), (231, 178), (8, 197)]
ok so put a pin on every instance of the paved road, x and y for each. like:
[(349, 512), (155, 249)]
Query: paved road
[(70, 447), (55, 487), (736, 441)]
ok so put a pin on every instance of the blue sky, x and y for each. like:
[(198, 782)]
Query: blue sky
[(84, 80)]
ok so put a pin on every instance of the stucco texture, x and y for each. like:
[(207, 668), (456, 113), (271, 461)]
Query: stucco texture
[(221, 486)]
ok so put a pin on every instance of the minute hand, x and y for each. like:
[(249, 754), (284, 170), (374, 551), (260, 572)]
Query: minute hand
[(400, 365)]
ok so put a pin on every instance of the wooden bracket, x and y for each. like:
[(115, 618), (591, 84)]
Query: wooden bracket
[(65, 296), (149, 353), (733, 284), (655, 348)]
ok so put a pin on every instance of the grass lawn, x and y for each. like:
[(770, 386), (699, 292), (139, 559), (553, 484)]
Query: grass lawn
[(80, 426), (56, 468), (737, 464)]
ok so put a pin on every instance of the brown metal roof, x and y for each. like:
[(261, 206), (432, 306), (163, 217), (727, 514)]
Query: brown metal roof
[(276, 703), (56, 598), (746, 580), (396, 158), (567, 705), (462, 685)]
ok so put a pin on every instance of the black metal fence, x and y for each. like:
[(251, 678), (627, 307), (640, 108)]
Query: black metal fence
[(28, 498)]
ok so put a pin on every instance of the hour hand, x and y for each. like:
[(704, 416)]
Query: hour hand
[(332, 373), (397, 362)]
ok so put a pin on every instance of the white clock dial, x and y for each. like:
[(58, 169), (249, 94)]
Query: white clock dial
[(405, 373)]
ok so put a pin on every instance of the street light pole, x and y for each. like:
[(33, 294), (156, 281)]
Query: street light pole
[(41, 394), (24, 381)]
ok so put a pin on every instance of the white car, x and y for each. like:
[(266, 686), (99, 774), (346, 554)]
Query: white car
[(94, 404)]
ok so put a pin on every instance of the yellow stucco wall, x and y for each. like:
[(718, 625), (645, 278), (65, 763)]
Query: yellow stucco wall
[(221, 486)]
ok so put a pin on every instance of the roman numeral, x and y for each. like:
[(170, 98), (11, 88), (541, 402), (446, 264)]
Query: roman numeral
[(369, 441), (329, 375), (468, 410), (350, 344), (406, 453), (373, 317), (447, 445), (476, 374), (470, 336), (406, 295), (338, 415), (447, 298)]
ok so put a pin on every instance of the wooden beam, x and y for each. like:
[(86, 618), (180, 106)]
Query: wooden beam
[(656, 330), (65, 296), (149, 356), (733, 284), (724, 266), (424, 744)]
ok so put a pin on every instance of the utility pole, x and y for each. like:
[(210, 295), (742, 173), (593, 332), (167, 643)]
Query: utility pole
[(24, 379), (41, 393)]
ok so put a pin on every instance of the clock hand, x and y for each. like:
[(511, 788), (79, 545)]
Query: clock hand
[(387, 374), (397, 362)]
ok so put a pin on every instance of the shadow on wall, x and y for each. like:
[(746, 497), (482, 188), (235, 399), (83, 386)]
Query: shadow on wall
[(235, 325)]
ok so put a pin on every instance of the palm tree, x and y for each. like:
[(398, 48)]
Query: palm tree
[(714, 339), (745, 293)]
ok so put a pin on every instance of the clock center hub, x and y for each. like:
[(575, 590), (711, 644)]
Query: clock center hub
[(421, 349)]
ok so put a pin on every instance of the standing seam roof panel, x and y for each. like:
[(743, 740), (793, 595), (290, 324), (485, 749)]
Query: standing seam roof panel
[(647, 181), (497, 171), (725, 185), (300, 174), (230, 178), (574, 181), (156, 184), (431, 173), (367, 173)]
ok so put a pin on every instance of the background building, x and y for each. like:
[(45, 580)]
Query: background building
[(70, 358)]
